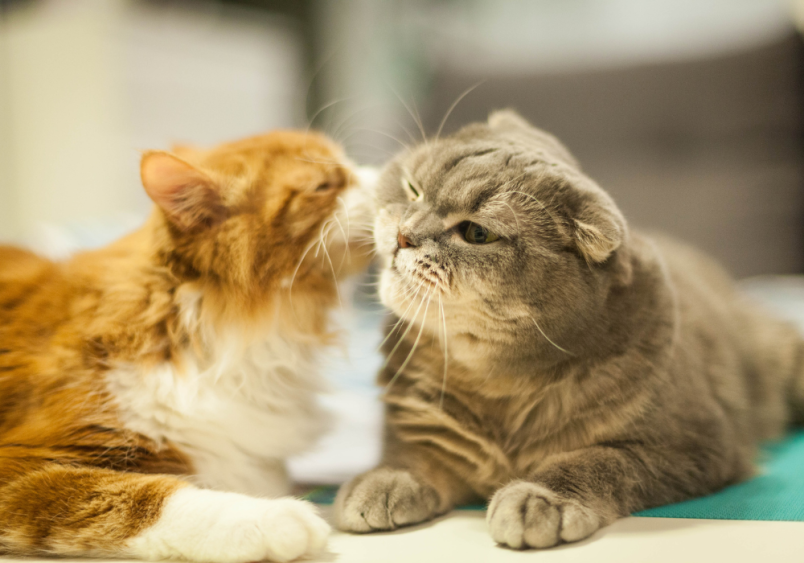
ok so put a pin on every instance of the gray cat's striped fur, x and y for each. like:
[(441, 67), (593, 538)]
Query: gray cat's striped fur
[(591, 371)]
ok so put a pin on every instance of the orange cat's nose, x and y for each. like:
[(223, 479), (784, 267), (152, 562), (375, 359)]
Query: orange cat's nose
[(404, 242)]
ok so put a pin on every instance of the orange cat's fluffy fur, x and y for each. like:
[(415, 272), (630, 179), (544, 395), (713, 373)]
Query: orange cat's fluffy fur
[(135, 378)]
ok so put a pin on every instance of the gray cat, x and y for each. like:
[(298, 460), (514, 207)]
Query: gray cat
[(550, 359)]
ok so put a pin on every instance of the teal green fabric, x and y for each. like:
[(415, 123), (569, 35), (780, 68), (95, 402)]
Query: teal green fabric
[(777, 493), (321, 495)]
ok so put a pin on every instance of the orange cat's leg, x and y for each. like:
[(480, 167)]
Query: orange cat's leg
[(51, 509)]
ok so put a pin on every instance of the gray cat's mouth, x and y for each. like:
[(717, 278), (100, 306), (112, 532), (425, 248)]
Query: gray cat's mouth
[(420, 278)]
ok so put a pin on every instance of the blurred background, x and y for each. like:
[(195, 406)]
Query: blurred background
[(689, 112)]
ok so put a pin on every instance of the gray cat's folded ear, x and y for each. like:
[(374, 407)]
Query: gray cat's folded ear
[(599, 227), (507, 118), (597, 241), (509, 121)]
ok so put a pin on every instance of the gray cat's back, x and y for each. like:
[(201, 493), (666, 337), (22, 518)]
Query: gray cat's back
[(749, 356)]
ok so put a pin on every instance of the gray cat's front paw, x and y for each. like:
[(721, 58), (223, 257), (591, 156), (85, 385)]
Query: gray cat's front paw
[(523, 515), (384, 499)]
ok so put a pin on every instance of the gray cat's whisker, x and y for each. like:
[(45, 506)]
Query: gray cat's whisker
[(323, 108), (352, 147), (410, 294), (549, 339), (383, 133), (401, 317), (346, 141), (416, 120), (406, 130), (336, 132), (454, 105), (446, 354), (402, 338), (419, 121), (415, 342)]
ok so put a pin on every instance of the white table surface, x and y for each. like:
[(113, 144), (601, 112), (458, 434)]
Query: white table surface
[(462, 537)]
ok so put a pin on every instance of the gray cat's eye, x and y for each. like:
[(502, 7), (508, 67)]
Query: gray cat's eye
[(413, 193), (476, 234)]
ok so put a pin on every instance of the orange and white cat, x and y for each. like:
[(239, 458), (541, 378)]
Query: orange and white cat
[(151, 390)]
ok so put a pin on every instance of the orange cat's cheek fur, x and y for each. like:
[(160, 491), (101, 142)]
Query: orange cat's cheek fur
[(180, 353)]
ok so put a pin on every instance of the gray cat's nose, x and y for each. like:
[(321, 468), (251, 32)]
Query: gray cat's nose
[(404, 242)]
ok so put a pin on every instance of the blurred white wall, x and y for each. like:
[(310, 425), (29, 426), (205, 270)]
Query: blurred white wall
[(86, 84)]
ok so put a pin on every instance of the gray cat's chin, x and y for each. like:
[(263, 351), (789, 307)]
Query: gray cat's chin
[(394, 292), (405, 298)]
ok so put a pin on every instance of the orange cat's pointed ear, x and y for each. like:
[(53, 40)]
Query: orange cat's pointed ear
[(187, 152), (189, 197)]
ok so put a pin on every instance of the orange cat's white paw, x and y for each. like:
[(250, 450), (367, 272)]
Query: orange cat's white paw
[(523, 515), (219, 527)]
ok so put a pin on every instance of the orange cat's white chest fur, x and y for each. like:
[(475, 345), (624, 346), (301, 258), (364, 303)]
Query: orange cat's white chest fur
[(237, 413)]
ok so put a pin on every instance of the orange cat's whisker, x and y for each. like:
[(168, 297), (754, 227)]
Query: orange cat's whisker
[(296, 271), (346, 243)]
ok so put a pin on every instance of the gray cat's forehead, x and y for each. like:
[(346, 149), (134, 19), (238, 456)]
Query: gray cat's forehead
[(478, 146), (532, 142), (456, 177), (445, 154), (461, 174)]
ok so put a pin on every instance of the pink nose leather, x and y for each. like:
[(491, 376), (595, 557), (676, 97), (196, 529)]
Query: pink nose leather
[(403, 241)]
